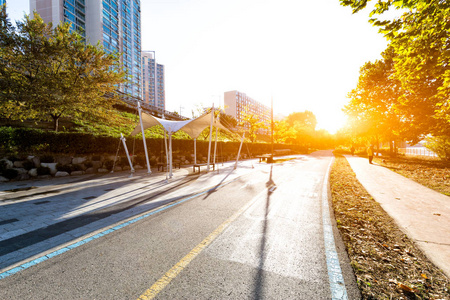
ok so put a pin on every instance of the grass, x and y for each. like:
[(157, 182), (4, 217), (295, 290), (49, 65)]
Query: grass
[(387, 264)]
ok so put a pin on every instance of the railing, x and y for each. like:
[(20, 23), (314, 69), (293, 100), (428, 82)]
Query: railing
[(419, 151)]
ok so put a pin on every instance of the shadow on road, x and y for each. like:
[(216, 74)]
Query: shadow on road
[(259, 280)]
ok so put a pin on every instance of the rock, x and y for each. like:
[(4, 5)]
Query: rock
[(186, 162), (8, 164), (91, 170), (75, 173), (64, 160), (18, 164), (3, 179), (36, 161), (20, 171), (117, 168), (78, 160), (51, 166), (126, 168), (102, 170), (61, 174), (96, 164), (45, 176), (23, 176), (138, 167), (33, 172)]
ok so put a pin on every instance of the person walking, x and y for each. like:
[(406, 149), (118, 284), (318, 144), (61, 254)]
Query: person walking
[(370, 153)]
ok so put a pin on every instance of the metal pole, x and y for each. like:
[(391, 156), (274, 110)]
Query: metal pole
[(143, 138), (170, 152), (126, 151), (239, 152), (195, 151), (210, 137), (215, 148), (271, 125)]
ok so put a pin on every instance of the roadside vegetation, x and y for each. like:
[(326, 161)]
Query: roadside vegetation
[(387, 264)]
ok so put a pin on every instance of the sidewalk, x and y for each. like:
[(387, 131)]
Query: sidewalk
[(423, 214)]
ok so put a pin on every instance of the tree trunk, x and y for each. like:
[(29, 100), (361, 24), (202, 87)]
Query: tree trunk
[(55, 122)]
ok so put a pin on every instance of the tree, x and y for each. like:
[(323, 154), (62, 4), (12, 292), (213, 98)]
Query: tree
[(52, 72), (302, 126), (419, 38), (374, 103), (252, 123)]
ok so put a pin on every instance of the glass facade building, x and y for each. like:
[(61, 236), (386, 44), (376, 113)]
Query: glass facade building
[(115, 24)]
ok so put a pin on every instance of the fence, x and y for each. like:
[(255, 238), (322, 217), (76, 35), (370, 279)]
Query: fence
[(419, 151)]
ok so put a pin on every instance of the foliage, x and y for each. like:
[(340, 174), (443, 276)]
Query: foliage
[(47, 71), (439, 145), (374, 104), (252, 123), (419, 37), (302, 127)]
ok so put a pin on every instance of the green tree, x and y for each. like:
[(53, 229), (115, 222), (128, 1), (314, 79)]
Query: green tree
[(252, 123), (302, 126), (419, 38), (53, 73), (374, 103)]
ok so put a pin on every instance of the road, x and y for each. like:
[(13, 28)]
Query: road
[(262, 231)]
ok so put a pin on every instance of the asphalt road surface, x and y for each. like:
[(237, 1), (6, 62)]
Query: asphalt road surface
[(262, 235)]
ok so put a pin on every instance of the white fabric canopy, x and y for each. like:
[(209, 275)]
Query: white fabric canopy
[(192, 127)]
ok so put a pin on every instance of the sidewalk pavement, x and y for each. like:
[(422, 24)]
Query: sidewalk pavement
[(422, 213)]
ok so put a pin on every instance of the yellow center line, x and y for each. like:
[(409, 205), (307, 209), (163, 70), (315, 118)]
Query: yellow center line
[(159, 285)]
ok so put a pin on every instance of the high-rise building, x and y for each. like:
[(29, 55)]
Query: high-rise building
[(149, 94), (237, 103), (116, 24)]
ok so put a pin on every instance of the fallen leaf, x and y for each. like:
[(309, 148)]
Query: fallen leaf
[(424, 276), (436, 214), (406, 288)]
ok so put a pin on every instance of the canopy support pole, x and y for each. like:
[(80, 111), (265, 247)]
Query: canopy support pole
[(195, 151), (167, 154), (215, 149), (170, 153), (210, 137), (128, 155), (239, 152), (149, 171)]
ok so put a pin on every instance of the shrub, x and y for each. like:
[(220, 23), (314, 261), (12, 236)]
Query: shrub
[(43, 170), (10, 173)]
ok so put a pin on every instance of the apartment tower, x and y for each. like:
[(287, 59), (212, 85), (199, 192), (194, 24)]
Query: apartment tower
[(236, 103), (150, 95), (115, 24)]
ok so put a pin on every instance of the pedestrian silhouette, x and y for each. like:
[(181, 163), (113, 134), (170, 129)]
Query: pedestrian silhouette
[(370, 153)]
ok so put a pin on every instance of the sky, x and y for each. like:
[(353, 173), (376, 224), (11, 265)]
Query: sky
[(305, 55)]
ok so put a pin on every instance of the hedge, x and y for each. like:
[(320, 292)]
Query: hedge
[(25, 141)]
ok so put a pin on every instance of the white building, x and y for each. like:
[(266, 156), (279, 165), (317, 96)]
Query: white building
[(150, 95)]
